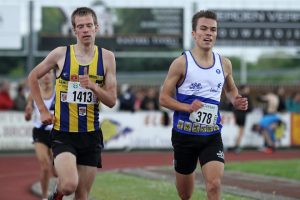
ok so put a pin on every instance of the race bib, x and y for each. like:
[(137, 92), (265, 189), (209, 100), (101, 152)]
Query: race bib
[(207, 114), (77, 94)]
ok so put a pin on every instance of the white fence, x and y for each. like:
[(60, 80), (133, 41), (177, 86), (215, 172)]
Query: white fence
[(139, 130)]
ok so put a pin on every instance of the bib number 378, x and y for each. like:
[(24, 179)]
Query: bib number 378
[(206, 115)]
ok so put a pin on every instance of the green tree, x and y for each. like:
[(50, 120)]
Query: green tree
[(129, 20), (52, 20), (276, 61), (12, 66)]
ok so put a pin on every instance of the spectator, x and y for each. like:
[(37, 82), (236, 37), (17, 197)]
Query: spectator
[(282, 99), (139, 96), (150, 101), (293, 103), (272, 102), (127, 99), (225, 105), (6, 103), (240, 117), (267, 127), (165, 118), (20, 100)]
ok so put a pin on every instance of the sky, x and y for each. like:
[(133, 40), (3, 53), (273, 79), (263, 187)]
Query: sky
[(190, 6)]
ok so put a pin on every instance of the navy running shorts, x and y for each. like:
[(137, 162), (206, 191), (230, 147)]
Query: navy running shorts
[(188, 149), (86, 146), (41, 136)]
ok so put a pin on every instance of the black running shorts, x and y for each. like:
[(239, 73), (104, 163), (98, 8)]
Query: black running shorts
[(86, 146), (41, 136), (188, 149)]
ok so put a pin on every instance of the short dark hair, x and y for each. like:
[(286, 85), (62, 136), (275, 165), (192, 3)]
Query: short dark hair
[(203, 14), (281, 123), (83, 11), (256, 128)]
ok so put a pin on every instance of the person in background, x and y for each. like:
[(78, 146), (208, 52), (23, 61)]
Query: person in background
[(127, 98), (85, 76), (271, 100), (165, 118), (192, 89), (267, 127), (240, 117), (150, 101), (20, 99), (225, 105), (6, 103), (282, 99), (293, 103), (139, 96), (41, 133)]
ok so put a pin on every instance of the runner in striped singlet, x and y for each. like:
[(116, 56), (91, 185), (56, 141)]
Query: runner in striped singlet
[(85, 76)]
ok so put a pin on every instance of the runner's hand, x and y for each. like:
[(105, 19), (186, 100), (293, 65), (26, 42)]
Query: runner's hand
[(47, 117), (28, 111), (195, 105), (85, 80), (240, 103)]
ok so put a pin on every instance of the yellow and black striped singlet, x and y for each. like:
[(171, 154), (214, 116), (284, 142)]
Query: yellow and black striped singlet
[(77, 117)]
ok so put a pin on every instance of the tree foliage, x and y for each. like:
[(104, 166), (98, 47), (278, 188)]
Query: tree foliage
[(10, 65), (52, 20)]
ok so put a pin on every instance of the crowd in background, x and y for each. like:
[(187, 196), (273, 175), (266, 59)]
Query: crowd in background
[(270, 100), (12, 102), (145, 98)]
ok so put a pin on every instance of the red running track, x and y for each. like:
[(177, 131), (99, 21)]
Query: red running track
[(19, 172)]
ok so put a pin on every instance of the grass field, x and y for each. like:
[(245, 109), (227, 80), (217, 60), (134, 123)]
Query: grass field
[(280, 168), (113, 185)]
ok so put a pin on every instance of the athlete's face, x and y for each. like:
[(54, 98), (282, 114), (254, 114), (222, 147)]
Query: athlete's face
[(206, 33), (85, 29)]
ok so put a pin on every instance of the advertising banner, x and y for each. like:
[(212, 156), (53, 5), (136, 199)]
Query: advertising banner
[(295, 129), (144, 130), (120, 29), (258, 28)]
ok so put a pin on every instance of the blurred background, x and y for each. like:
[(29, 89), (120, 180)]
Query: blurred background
[(261, 38)]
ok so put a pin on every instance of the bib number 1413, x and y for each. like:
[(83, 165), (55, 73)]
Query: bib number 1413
[(82, 96), (77, 94)]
